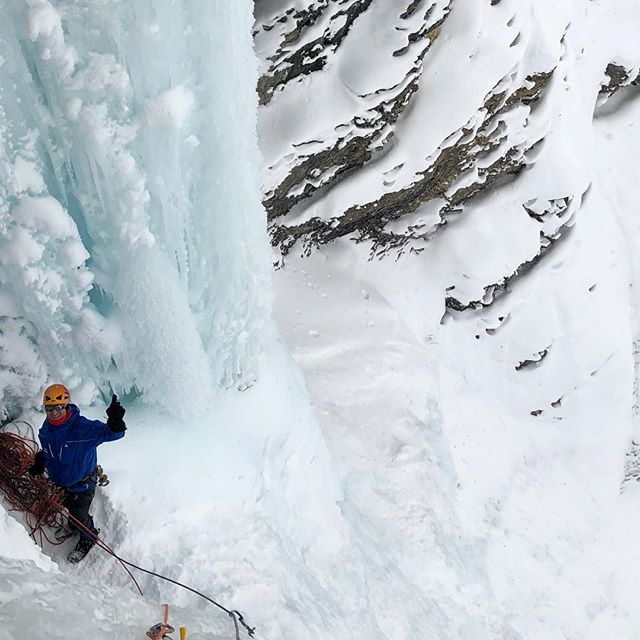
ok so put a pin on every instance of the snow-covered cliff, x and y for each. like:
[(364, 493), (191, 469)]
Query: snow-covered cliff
[(477, 384)]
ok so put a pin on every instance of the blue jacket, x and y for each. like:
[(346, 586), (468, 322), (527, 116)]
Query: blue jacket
[(69, 449)]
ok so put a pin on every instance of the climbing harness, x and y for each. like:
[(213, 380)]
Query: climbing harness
[(40, 501), (97, 476)]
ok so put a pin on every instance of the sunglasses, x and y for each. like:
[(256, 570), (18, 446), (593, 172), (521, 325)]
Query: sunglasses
[(55, 407)]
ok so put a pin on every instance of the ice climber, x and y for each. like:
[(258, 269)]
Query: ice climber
[(69, 456)]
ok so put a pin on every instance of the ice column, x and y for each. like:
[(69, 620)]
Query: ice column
[(138, 121)]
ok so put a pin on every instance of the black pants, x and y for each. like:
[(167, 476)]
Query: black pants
[(78, 505)]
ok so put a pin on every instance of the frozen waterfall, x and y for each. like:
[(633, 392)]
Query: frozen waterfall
[(133, 248)]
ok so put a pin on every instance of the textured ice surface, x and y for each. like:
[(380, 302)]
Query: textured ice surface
[(132, 239)]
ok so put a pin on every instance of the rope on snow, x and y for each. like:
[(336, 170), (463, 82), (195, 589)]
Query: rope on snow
[(40, 501)]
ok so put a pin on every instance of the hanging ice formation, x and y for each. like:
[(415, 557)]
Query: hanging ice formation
[(132, 240)]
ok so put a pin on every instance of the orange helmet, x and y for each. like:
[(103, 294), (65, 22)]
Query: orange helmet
[(56, 394)]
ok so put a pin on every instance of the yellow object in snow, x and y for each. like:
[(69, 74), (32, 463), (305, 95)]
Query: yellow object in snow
[(183, 633)]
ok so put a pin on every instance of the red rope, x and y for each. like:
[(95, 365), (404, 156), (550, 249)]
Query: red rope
[(235, 615), (36, 497), (40, 501)]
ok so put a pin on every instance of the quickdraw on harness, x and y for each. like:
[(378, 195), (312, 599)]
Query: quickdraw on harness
[(40, 501), (97, 476)]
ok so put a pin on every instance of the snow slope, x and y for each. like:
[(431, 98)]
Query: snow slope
[(483, 442)]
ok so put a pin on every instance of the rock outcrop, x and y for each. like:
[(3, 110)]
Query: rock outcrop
[(491, 146)]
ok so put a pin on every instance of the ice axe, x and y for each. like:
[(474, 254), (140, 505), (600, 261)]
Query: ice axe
[(159, 631)]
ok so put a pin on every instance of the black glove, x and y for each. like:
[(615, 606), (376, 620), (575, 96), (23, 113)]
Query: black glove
[(115, 413), (37, 468)]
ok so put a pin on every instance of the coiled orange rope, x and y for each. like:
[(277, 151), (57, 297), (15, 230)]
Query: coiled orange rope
[(36, 497), (40, 501)]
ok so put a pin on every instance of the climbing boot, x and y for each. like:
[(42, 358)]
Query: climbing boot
[(82, 548), (63, 532)]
